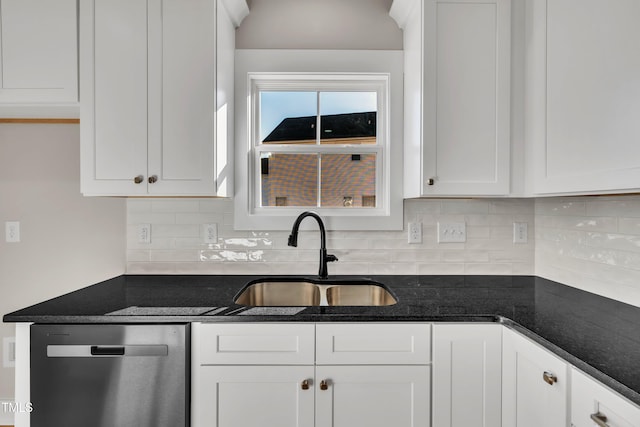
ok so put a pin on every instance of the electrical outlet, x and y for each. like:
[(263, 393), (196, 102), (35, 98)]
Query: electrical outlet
[(210, 233), (144, 233), (520, 232), (415, 232), (453, 232), (12, 231), (9, 352)]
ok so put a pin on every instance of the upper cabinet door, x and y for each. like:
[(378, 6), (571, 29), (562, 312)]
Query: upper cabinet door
[(583, 95), (157, 79), (182, 86), (38, 52), (113, 112), (457, 96)]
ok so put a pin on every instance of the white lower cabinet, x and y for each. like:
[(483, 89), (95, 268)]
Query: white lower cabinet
[(467, 375), (245, 396), (237, 380), (385, 374), (535, 384), (594, 404), (372, 396)]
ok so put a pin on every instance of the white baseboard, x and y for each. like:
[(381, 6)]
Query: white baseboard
[(6, 418)]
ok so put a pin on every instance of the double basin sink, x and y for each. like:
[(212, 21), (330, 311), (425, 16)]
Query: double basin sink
[(309, 292)]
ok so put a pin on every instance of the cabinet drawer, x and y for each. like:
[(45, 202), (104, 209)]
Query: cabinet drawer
[(589, 397), (253, 344), (373, 344)]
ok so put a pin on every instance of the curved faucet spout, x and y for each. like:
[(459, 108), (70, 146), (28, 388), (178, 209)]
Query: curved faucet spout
[(324, 257)]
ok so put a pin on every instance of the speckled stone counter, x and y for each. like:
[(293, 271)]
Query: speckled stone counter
[(598, 335)]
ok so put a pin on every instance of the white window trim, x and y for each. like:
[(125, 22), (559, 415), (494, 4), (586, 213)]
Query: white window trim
[(256, 69)]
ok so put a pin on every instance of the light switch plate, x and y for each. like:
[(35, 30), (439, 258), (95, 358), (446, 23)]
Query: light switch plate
[(452, 232), (144, 233), (520, 232)]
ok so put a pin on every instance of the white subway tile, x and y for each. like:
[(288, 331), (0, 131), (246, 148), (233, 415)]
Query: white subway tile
[(174, 230), (560, 206), (151, 218), (488, 269), (629, 207), (464, 207), (199, 218), (441, 269), (175, 205), (629, 226)]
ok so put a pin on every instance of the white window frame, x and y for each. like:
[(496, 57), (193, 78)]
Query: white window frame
[(377, 83), (371, 71)]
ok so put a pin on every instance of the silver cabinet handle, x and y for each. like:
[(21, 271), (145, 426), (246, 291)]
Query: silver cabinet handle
[(599, 419), (138, 179), (549, 378), (153, 179), (431, 181)]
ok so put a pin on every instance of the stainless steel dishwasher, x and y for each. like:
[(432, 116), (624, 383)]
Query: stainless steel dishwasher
[(109, 375)]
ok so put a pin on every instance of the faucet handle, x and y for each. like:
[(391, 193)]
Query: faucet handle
[(331, 258)]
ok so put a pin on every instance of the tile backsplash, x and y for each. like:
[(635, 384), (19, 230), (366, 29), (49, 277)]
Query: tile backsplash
[(592, 243), (177, 244)]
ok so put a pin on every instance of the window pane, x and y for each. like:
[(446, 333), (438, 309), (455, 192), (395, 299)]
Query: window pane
[(288, 117), (348, 180), (348, 117), (289, 179)]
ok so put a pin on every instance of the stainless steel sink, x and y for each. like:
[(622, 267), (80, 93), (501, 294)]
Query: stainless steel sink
[(306, 292), (279, 294), (371, 295)]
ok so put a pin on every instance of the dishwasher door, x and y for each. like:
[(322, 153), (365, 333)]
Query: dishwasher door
[(109, 375)]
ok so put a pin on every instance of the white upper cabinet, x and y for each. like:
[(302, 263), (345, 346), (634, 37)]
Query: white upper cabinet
[(157, 84), (38, 58), (457, 96), (583, 95)]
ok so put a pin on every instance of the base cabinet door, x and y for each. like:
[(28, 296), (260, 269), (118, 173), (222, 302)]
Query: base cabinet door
[(594, 404), (372, 396), (535, 384), (252, 396), (467, 375)]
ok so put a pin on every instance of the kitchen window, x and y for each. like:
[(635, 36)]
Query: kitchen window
[(317, 141)]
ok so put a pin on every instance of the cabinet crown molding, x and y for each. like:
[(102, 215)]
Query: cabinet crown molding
[(400, 11), (237, 10)]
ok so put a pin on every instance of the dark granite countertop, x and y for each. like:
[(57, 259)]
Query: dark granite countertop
[(597, 335)]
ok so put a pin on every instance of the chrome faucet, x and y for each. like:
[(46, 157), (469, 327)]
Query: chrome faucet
[(324, 257)]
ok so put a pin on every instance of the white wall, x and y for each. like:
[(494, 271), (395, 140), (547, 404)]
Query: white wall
[(319, 24), (68, 241), (591, 243)]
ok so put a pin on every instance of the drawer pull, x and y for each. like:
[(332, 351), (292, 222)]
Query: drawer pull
[(599, 419), (138, 179), (305, 385), (324, 385), (549, 378)]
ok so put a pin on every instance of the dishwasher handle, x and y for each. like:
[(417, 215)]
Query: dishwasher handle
[(127, 350), (98, 350)]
